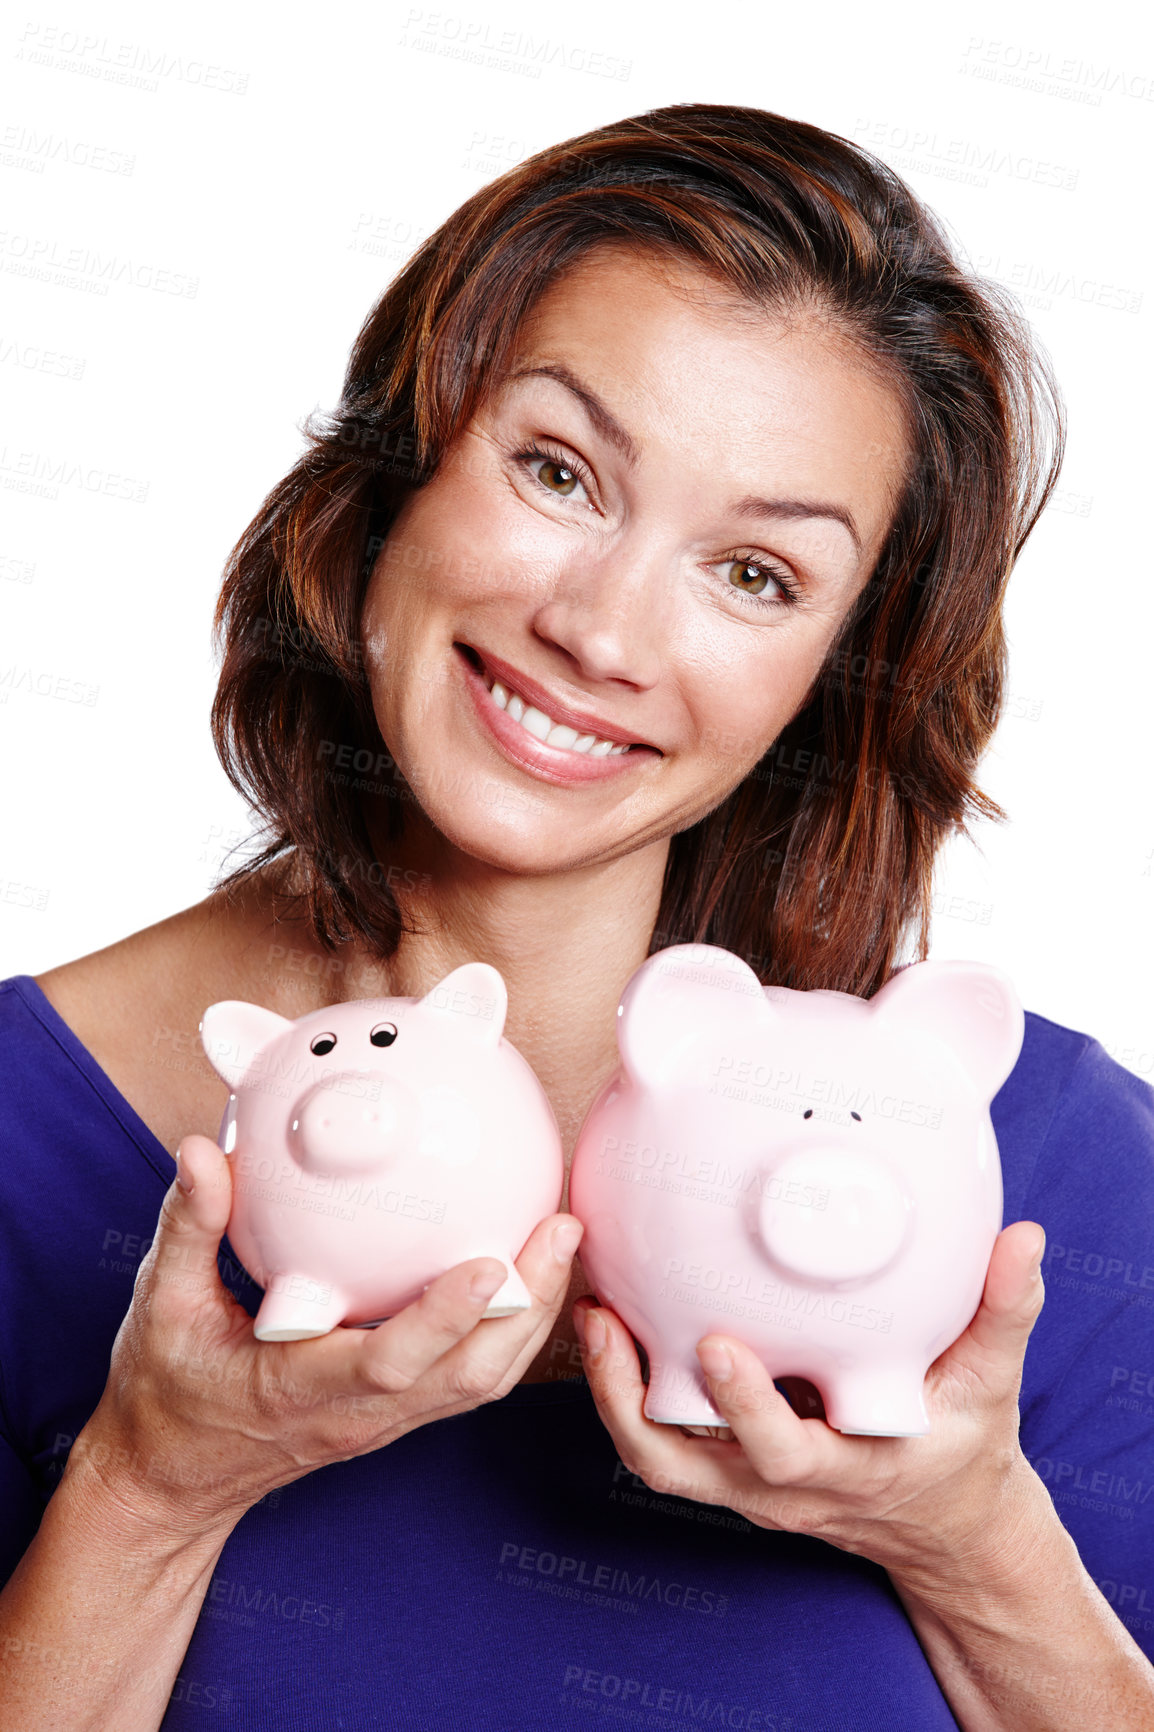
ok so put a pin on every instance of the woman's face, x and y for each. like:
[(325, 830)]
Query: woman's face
[(651, 533)]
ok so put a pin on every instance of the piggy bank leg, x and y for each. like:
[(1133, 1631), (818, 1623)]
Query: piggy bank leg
[(878, 1401), (512, 1296), (297, 1308), (677, 1395)]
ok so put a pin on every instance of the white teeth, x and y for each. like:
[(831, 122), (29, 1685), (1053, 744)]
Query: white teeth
[(542, 727), (536, 722)]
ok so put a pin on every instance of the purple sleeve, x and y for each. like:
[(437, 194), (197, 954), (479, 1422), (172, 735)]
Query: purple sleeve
[(1087, 1400)]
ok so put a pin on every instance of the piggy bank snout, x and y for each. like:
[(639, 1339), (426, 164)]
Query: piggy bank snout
[(355, 1119), (832, 1215)]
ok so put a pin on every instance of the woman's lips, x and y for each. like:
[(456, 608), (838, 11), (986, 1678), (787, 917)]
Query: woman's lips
[(552, 763), (557, 710)]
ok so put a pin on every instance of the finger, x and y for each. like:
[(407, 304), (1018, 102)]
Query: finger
[(782, 1447), (397, 1353), (663, 1455), (495, 1355), (706, 1469), (392, 1357), (994, 1345), (612, 1367), (180, 1267), (613, 1371)]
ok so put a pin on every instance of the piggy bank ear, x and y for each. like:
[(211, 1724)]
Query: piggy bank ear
[(971, 1008), (475, 1000), (233, 1032), (675, 998)]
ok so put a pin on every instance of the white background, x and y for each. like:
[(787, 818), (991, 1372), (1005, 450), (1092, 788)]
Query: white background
[(279, 171)]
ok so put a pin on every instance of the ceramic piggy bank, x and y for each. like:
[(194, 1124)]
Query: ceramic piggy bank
[(377, 1143), (812, 1173)]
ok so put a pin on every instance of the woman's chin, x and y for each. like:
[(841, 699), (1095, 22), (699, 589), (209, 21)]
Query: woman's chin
[(521, 848)]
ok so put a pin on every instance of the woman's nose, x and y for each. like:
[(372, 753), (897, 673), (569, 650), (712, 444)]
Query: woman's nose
[(609, 614)]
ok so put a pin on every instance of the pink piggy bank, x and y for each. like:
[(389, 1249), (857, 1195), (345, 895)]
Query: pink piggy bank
[(813, 1173), (377, 1143)]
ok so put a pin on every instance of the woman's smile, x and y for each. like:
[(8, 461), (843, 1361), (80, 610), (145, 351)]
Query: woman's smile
[(545, 736)]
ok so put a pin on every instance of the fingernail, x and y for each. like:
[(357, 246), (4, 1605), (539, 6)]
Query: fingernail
[(183, 1178), (717, 1362), (1036, 1264), (564, 1240), (579, 1322), (484, 1286), (593, 1336)]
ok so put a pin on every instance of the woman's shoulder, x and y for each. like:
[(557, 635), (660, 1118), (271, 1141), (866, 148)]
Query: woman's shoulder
[(1084, 1403), (1068, 1113), (1080, 1131), (1091, 1099), (135, 1006), (128, 1015)]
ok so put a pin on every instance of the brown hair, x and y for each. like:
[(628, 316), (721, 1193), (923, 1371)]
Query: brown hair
[(820, 862)]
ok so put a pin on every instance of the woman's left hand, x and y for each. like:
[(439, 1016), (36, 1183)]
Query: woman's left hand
[(907, 1503)]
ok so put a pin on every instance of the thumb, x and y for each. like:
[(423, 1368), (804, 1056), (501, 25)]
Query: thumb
[(193, 1218), (204, 1179), (994, 1345)]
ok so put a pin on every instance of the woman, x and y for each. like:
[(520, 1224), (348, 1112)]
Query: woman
[(645, 587)]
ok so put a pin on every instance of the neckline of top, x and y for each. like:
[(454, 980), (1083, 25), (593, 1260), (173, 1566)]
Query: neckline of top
[(70, 1043)]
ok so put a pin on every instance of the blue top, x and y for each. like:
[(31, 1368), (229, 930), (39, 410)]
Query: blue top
[(501, 1569)]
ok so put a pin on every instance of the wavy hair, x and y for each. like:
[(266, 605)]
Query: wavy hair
[(817, 867)]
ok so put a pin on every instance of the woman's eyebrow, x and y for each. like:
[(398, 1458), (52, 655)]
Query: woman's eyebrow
[(614, 434), (602, 418), (751, 506)]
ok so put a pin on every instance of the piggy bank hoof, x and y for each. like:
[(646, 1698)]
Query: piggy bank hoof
[(511, 1297), (297, 1308), (882, 1402), (676, 1396)]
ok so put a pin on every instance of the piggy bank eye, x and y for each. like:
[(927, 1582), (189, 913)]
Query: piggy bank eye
[(384, 1034), (322, 1043), (856, 1116)]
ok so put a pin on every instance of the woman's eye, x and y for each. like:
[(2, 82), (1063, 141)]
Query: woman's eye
[(752, 577), (749, 577), (557, 477), (556, 474)]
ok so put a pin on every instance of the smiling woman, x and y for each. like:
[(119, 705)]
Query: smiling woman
[(645, 586), (578, 547), (713, 308)]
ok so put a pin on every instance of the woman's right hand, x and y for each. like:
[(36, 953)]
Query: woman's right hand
[(199, 1419)]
